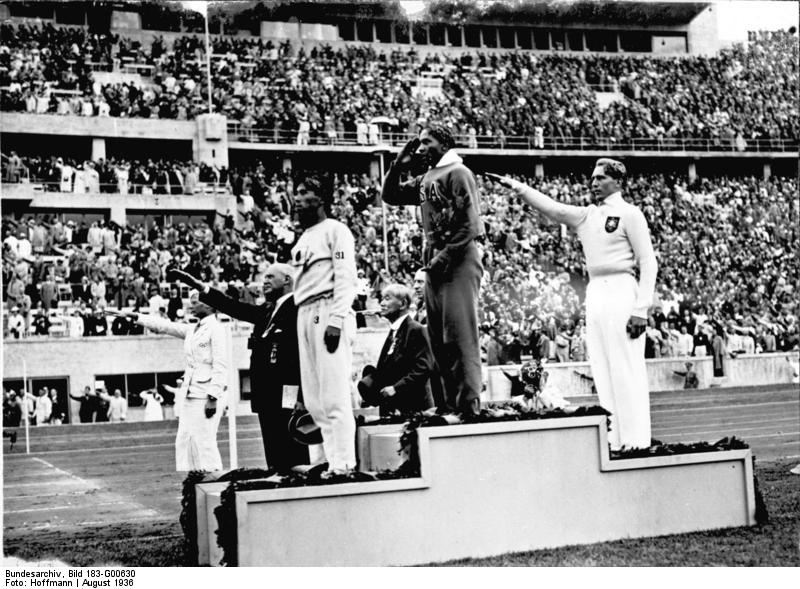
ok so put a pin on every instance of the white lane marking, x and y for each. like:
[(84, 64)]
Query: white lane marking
[(115, 448), (64, 473), (60, 527), (736, 424), (728, 407), (116, 498), (72, 506), (745, 438)]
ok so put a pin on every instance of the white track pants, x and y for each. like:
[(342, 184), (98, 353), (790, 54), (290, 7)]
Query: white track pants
[(196, 442), (325, 379), (617, 361)]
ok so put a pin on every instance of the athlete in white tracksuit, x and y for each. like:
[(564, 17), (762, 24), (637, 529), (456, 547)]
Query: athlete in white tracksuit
[(615, 239), (325, 287)]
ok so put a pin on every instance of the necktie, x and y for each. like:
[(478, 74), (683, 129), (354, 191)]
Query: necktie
[(392, 339)]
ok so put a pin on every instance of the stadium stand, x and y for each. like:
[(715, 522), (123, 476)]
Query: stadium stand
[(726, 237), (722, 245), (741, 99)]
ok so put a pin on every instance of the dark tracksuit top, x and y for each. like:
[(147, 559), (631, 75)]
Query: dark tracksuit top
[(450, 205)]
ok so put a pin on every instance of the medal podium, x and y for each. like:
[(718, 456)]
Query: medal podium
[(484, 489)]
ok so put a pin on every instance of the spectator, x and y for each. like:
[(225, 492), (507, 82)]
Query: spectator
[(58, 412), (16, 324), (117, 407), (44, 408), (89, 405)]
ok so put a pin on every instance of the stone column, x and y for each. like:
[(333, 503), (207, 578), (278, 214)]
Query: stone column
[(767, 170), (539, 169), (210, 145), (286, 164), (118, 214), (692, 171), (375, 166), (98, 148)]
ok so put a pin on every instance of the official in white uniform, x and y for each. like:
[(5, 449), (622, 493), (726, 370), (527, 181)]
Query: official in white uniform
[(325, 287), (615, 240), (200, 401)]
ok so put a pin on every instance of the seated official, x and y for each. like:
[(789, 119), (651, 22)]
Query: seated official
[(400, 382)]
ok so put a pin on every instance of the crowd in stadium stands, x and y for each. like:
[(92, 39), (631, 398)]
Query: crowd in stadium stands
[(325, 94), (725, 248), (113, 175)]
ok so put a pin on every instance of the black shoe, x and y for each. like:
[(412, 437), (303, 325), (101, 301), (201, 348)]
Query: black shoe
[(316, 471), (357, 476), (13, 438)]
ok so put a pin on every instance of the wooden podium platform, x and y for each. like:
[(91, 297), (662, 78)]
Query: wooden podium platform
[(484, 490)]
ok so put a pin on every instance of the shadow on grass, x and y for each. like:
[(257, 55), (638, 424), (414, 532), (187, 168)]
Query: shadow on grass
[(160, 543)]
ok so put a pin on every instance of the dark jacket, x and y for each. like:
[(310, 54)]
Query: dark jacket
[(274, 356), (408, 369)]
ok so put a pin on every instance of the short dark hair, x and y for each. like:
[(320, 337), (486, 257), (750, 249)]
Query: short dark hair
[(442, 135), (321, 185)]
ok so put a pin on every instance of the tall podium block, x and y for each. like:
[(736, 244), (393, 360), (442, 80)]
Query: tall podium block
[(494, 488)]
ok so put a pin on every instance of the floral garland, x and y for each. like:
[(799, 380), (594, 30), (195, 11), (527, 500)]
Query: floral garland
[(188, 517), (508, 411)]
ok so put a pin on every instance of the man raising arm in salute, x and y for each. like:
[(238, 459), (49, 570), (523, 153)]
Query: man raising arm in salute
[(615, 240)]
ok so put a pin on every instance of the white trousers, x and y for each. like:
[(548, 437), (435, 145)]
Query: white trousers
[(325, 379), (196, 442), (617, 361)]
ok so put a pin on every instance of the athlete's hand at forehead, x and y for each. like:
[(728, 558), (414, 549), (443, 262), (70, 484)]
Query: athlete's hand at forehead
[(405, 155)]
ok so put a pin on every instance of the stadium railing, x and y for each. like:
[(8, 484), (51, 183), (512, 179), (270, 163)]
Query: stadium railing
[(37, 185), (238, 132)]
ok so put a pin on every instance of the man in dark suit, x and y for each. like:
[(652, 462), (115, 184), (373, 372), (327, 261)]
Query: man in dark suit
[(400, 382), (274, 362)]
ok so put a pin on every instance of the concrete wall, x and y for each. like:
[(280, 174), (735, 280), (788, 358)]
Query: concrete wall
[(17, 122), (703, 33), (210, 144), (745, 370), (80, 359), (118, 205)]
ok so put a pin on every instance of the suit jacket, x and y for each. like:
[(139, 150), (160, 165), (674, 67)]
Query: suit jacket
[(408, 368), (274, 356), (207, 356)]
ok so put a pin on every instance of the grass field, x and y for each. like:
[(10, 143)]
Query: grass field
[(119, 506), (773, 544)]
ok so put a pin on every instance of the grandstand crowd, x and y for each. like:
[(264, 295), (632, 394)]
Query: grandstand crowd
[(326, 94), (726, 246), (725, 250)]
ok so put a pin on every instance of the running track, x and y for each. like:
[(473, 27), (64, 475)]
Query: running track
[(108, 476)]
